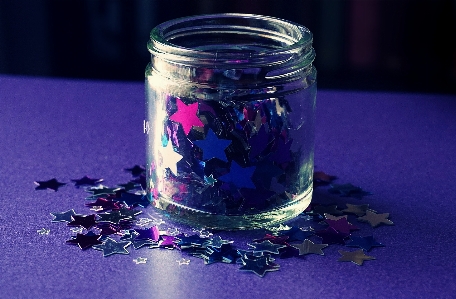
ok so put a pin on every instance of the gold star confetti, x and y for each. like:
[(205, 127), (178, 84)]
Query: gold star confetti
[(357, 257)]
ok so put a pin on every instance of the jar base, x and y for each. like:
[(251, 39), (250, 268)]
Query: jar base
[(200, 219)]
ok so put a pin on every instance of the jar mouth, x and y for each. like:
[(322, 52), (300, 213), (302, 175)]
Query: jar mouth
[(229, 38)]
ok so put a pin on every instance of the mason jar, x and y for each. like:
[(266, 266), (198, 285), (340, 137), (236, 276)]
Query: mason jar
[(230, 104)]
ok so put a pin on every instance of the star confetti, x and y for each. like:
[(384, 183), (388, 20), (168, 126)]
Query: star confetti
[(64, 216), (357, 257), (267, 246), (136, 170), (111, 246), (86, 221), (320, 178), (86, 181), (375, 219), (365, 243), (358, 210), (170, 157), (259, 265), (212, 146), (115, 226), (240, 177), (183, 261), (43, 231), (308, 246), (348, 190), (85, 241), (140, 260), (186, 115), (52, 184), (331, 236)]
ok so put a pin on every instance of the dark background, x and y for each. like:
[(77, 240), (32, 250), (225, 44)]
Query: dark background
[(400, 45)]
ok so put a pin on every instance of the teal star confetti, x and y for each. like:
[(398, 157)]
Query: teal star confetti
[(111, 246), (357, 257)]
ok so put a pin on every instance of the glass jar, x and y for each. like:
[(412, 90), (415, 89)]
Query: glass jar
[(230, 104)]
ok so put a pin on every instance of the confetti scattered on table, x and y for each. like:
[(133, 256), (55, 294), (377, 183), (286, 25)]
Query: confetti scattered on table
[(52, 184), (140, 260), (357, 257), (43, 231), (123, 220)]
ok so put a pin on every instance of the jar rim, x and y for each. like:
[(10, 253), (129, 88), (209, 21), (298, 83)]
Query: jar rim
[(290, 37)]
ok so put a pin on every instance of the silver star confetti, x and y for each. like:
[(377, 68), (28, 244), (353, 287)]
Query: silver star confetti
[(110, 247), (308, 246), (140, 260)]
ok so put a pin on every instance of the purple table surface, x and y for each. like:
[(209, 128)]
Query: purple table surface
[(401, 147)]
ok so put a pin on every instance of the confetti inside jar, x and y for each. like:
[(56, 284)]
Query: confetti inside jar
[(230, 120)]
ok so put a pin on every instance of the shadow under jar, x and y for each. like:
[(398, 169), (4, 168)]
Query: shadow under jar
[(230, 105)]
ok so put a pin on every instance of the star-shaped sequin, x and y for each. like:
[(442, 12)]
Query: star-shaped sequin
[(186, 115), (104, 204), (113, 217), (375, 219), (151, 233), (86, 181), (217, 242), (86, 221), (212, 146), (136, 170), (259, 265), (111, 246), (183, 261), (52, 184), (357, 257), (133, 200), (85, 241), (331, 236), (140, 260), (358, 210), (170, 157), (64, 216), (266, 246), (365, 243), (308, 246), (341, 225), (43, 231), (348, 190), (240, 177), (101, 191), (320, 178), (296, 234)]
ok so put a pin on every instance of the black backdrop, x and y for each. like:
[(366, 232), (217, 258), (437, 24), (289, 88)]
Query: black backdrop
[(403, 45)]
